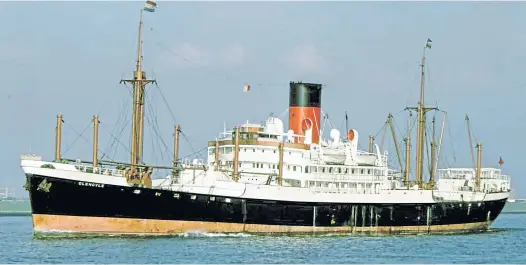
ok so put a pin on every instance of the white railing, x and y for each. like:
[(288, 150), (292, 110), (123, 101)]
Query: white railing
[(486, 187), (352, 178), (463, 173), (100, 170), (455, 196), (352, 190), (187, 162)]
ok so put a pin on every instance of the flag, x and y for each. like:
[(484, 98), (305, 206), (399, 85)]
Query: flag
[(150, 6), (501, 161), (428, 43), (246, 88)]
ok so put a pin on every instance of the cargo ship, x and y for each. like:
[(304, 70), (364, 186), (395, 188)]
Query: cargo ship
[(265, 178)]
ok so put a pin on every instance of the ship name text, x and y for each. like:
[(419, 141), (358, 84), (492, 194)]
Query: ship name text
[(88, 184)]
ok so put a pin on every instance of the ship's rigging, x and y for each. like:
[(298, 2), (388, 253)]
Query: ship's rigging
[(139, 83), (140, 102), (317, 187), (424, 147), (433, 149)]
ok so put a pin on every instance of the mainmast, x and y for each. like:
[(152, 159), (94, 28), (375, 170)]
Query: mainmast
[(139, 83), (421, 121)]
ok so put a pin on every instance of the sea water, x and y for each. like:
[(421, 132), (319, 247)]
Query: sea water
[(506, 243)]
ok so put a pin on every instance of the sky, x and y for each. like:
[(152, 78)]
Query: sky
[(68, 57)]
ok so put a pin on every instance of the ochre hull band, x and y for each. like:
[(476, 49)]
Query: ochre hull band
[(129, 226)]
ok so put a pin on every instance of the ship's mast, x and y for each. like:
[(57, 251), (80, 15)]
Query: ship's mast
[(138, 82), (421, 120), (420, 124)]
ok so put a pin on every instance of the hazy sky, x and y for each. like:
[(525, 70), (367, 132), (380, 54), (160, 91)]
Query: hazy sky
[(69, 57)]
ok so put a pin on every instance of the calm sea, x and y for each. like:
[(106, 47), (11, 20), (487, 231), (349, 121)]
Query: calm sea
[(506, 244)]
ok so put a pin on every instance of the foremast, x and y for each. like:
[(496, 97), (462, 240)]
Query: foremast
[(139, 83)]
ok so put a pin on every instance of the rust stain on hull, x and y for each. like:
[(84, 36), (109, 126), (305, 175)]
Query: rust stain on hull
[(128, 226)]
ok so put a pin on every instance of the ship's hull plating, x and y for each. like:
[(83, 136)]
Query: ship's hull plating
[(61, 205)]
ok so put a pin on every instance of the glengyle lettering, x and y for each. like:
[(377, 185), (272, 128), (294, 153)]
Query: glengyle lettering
[(88, 184)]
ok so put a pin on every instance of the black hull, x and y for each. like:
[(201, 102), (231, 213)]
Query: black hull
[(53, 198)]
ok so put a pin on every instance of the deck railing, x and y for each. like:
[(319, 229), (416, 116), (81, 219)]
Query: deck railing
[(100, 170), (463, 173)]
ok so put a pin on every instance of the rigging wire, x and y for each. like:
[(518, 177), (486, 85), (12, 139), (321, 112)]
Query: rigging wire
[(154, 125), (118, 141), (427, 153), (185, 137), (452, 145), (193, 154), (166, 103), (401, 142), (156, 132), (111, 142), (79, 135), (112, 146), (153, 144), (441, 147)]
